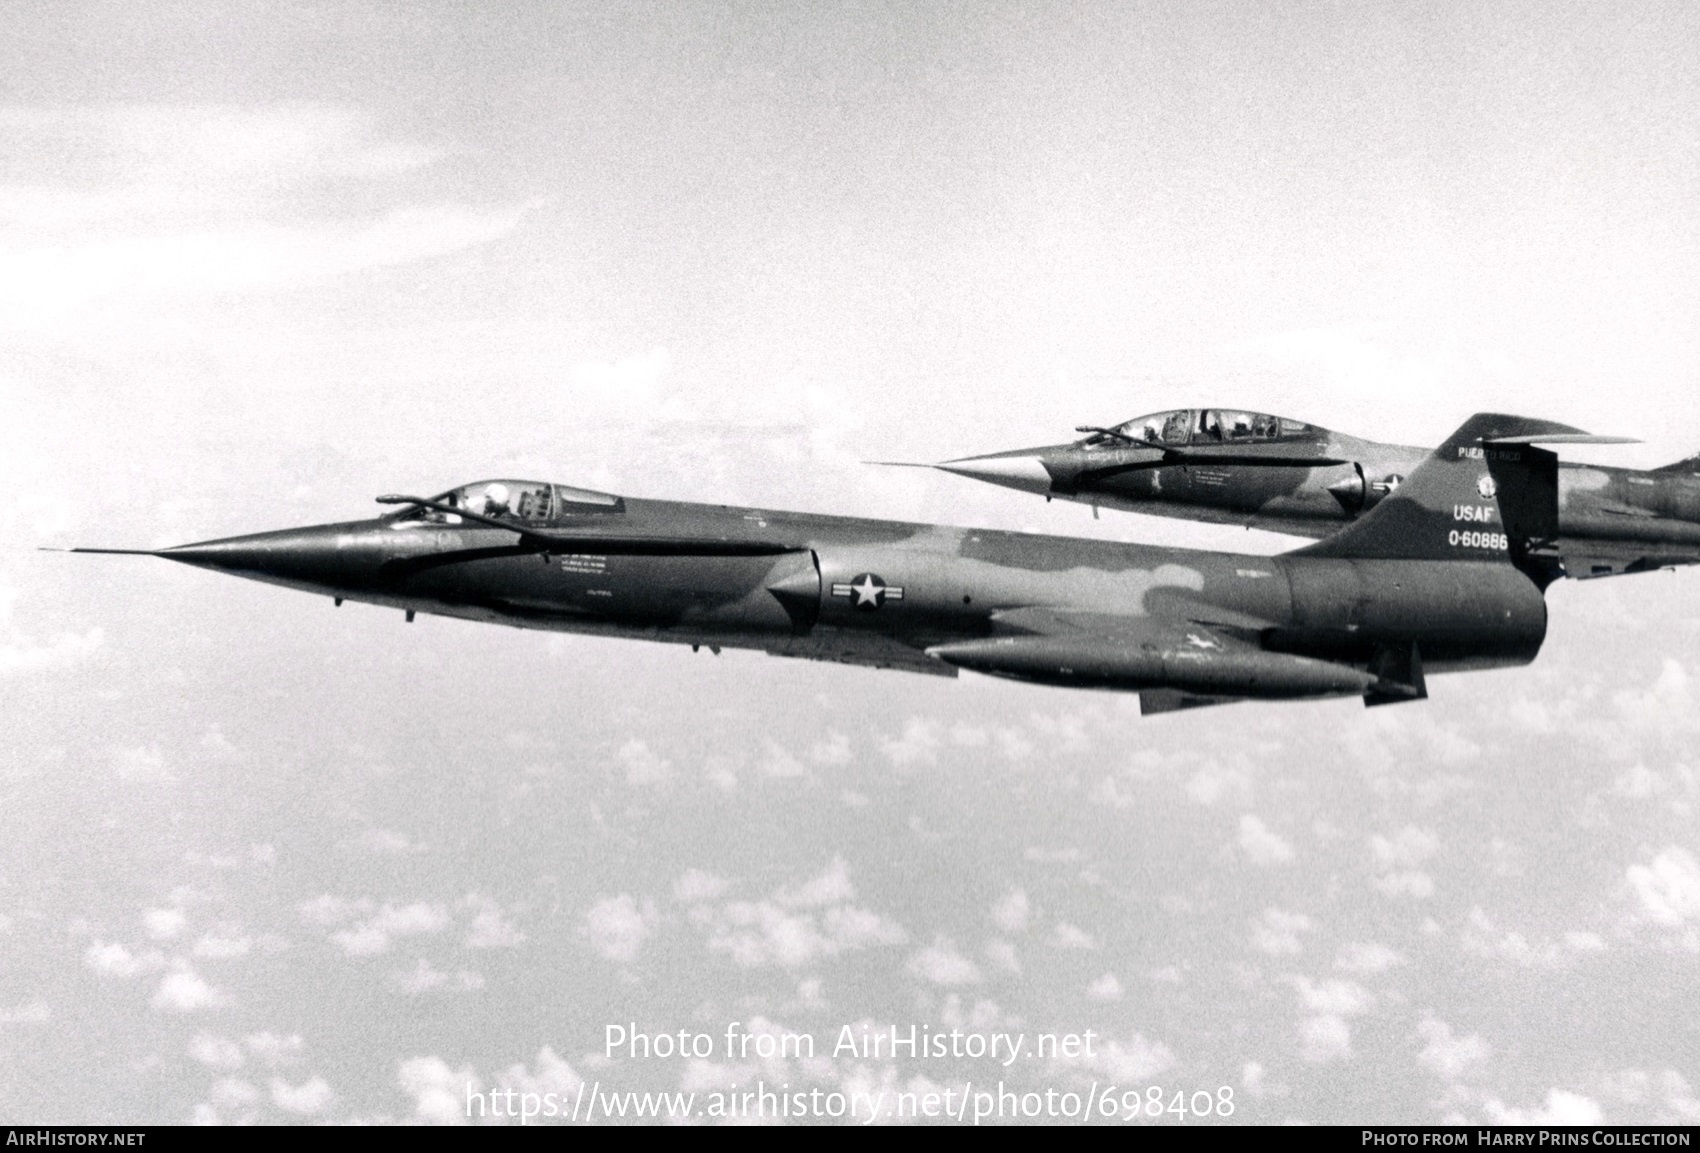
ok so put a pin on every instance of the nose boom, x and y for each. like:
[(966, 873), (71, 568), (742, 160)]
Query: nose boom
[(1025, 470)]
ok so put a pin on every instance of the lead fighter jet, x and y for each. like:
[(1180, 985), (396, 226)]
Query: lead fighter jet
[(1231, 467), (1445, 573)]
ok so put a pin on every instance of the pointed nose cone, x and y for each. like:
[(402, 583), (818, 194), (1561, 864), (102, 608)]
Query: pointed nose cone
[(312, 558), (1023, 470)]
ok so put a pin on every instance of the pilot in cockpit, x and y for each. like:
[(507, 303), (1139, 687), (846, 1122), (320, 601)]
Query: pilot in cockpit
[(496, 498)]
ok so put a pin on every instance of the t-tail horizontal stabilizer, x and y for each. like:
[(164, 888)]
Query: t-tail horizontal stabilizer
[(1485, 494)]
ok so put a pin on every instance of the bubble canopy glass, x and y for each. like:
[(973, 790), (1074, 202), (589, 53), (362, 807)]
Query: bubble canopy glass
[(528, 501), (1184, 426)]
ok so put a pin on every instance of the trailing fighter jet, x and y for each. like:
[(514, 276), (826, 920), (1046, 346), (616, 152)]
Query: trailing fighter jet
[(1248, 468), (1444, 573)]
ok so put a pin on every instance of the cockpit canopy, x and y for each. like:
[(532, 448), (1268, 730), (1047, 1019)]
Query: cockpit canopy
[(1184, 426), (530, 501)]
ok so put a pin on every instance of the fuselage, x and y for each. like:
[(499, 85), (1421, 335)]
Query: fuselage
[(1610, 520), (882, 592)]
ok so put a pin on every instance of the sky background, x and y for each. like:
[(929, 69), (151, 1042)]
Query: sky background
[(265, 860)]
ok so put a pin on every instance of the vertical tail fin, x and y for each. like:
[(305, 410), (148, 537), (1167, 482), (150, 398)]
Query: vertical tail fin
[(1485, 494)]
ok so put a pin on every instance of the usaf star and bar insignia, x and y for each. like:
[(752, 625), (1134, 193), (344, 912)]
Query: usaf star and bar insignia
[(867, 591)]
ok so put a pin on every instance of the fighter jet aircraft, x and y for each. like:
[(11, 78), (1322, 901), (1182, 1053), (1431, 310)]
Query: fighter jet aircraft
[(1249, 468), (1444, 573)]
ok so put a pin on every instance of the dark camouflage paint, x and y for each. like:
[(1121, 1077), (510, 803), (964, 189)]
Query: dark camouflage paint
[(1610, 520), (1351, 615)]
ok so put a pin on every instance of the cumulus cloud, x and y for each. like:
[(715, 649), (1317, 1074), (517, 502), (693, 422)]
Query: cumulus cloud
[(1067, 936), (490, 928), (1128, 1061), (28, 1013), (942, 964), (142, 766), (832, 887), (548, 1074), (443, 1095), (1211, 784), (1562, 1107), (1105, 988), (424, 978), (1581, 941), (642, 765), (618, 926), (1668, 887), (762, 933), (164, 924), (1011, 911), (217, 947), (232, 1099), (720, 771), (115, 960), (918, 744), (831, 750), (309, 1099), (984, 1013), (23, 655), (1446, 1056), (1397, 859), (1663, 704), (274, 1050), (1326, 1036), (439, 1092), (795, 925), (216, 1052), (1410, 846), (696, 886), (1002, 954), (387, 842), (1262, 844), (778, 764), (1638, 782), (328, 911), (1646, 1092), (376, 933), (1482, 938), (1347, 998), (764, 1049), (1366, 957), (184, 991), (1277, 932)]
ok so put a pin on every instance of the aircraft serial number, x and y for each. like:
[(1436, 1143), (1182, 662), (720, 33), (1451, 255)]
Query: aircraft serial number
[(1477, 540)]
